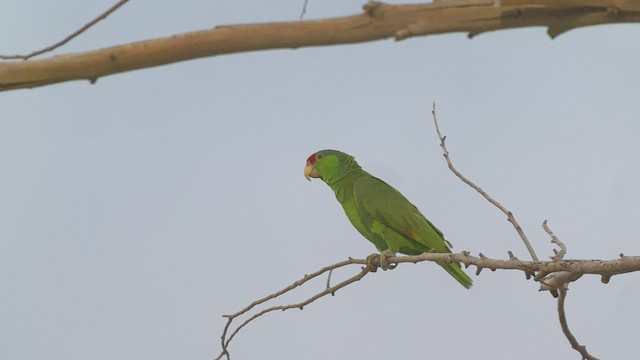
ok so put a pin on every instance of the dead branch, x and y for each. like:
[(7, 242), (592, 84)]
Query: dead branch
[(565, 328), (297, 283), (609, 268), (477, 188), (68, 38), (328, 290), (604, 268), (378, 21)]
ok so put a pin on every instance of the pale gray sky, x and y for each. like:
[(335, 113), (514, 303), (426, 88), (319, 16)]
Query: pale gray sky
[(137, 211)]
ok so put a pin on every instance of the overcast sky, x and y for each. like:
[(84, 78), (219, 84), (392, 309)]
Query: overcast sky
[(137, 211)]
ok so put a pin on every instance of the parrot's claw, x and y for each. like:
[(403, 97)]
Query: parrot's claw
[(384, 263), (373, 261)]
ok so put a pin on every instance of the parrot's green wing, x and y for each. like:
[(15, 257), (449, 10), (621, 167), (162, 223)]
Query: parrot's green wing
[(387, 214)]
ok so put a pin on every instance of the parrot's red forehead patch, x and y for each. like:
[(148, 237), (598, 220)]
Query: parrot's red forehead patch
[(312, 159)]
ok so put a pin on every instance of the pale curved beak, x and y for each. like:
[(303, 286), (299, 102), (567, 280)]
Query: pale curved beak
[(311, 172)]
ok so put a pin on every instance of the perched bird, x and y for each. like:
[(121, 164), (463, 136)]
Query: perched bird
[(379, 212)]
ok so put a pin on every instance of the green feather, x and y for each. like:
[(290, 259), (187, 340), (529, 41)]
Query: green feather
[(381, 213)]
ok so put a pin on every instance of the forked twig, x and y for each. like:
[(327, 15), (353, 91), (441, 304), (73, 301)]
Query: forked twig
[(509, 214), (68, 38), (328, 290)]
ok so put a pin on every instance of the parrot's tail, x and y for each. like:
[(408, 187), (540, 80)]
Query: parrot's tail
[(454, 270)]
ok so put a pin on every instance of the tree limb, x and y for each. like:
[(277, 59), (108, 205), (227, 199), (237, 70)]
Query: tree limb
[(609, 268), (378, 21), (604, 268)]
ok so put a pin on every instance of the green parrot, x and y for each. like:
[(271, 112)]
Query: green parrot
[(379, 212)]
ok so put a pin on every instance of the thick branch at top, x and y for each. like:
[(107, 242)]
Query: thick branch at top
[(378, 21)]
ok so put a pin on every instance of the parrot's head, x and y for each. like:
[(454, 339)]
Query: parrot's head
[(329, 165)]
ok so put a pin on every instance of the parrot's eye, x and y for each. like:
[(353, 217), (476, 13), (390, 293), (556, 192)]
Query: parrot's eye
[(319, 156)]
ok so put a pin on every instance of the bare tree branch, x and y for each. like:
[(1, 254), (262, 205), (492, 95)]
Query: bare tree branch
[(477, 188), (328, 290), (297, 283), (565, 328), (609, 268), (68, 38), (622, 265), (378, 21), (299, 305)]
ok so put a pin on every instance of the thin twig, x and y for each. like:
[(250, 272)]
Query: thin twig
[(306, 278), (558, 254), (304, 9), (565, 328), (509, 214), (68, 38)]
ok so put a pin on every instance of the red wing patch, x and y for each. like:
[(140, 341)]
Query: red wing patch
[(409, 233)]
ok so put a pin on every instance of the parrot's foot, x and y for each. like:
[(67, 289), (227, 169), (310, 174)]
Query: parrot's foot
[(384, 263), (373, 261), (380, 260)]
